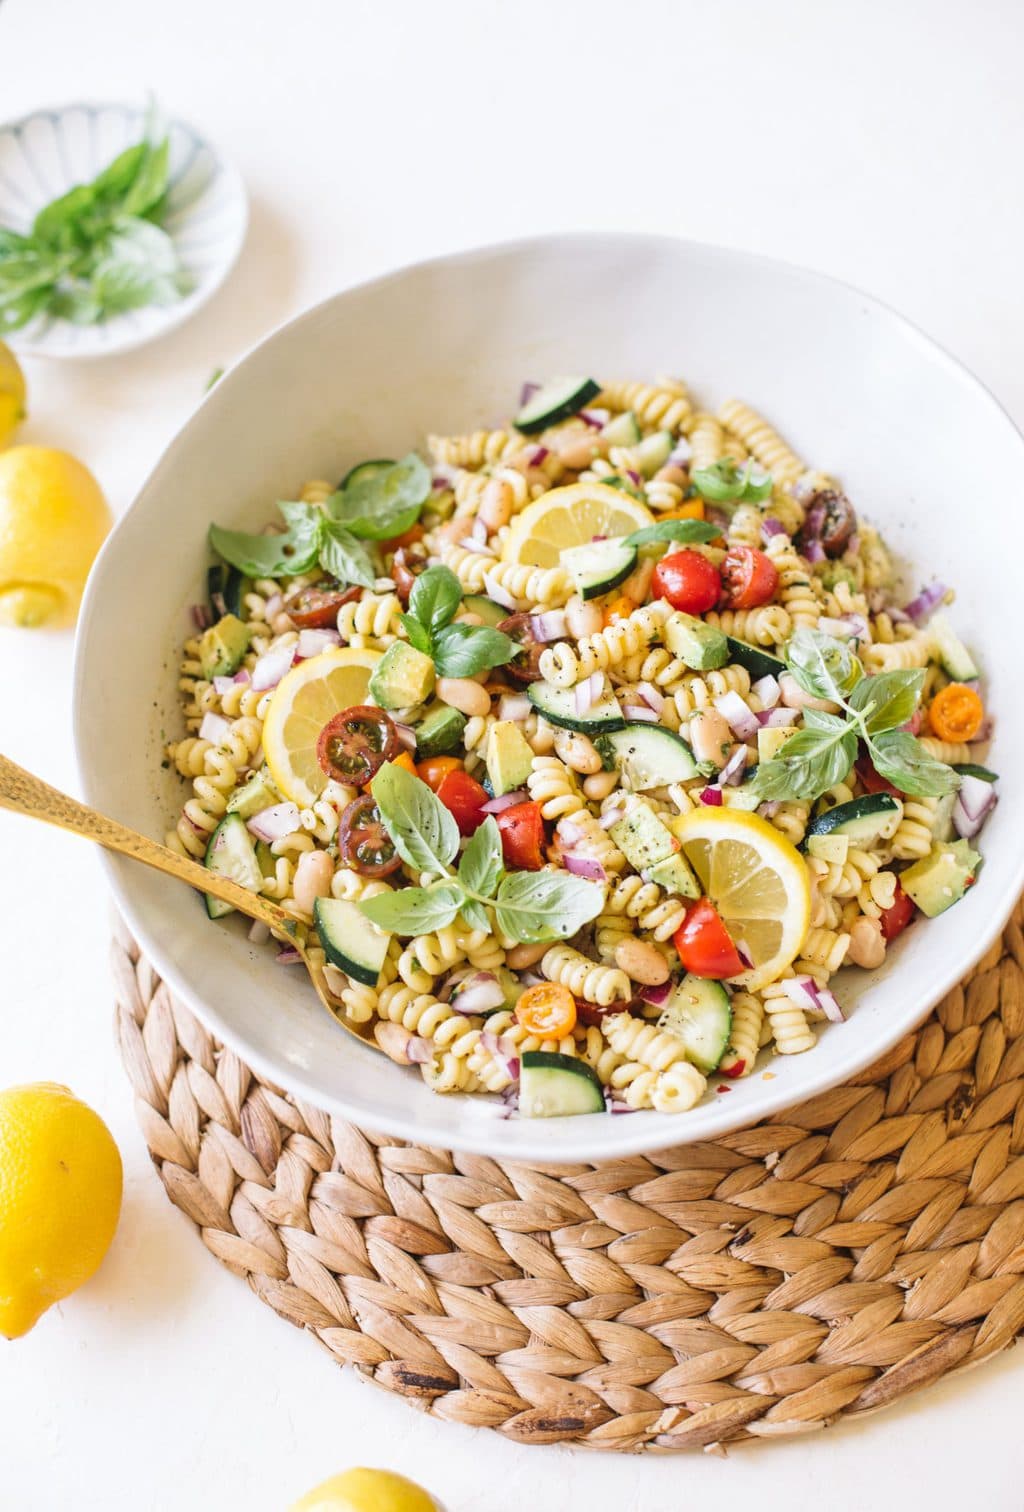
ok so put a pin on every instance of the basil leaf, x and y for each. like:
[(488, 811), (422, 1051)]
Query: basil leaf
[(904, 762), (812, 761), (475, 915), (15, 313), (384, 504), (546, 905), (891, 697), (343, 556), (149, 184), (260, 556), (725, 482), (464, 650), (413, 910), (13, 241), (435, 598), (117, 177), (135, 265), (79, 305), (58, 224), (425, 833), (418, 637), (673, 530), (823, 666), (481, 865)]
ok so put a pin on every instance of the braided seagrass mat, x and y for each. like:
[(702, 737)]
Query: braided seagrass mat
[(819, 1265)]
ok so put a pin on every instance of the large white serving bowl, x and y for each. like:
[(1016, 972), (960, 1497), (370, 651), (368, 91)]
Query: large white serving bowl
[(921, 446)]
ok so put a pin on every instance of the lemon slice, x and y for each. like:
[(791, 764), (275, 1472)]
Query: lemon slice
[(302, 703), (757, 881), (571, 516)]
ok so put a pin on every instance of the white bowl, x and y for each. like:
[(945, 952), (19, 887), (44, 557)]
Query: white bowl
[(444, 346), (45, 154)]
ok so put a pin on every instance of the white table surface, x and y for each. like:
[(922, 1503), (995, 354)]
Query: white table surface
[(880, 142)]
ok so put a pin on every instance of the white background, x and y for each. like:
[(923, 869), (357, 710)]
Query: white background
[(880, 141)]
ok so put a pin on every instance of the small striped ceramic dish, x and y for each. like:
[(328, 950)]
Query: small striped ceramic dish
[(46, 153)]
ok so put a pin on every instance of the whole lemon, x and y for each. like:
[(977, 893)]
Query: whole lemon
[(12, 394), (53, 519), (364, 1490), (60, 1196)]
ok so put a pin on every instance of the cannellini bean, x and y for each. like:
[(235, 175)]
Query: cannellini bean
[(455, 530), (795, 697), (642, 962), (577, 451), (577, 752), (336, 980), (582, 618), (867, 944), (636, 585), (542, 741), (521, 956), (393, 1040), (464, 694), (282, 623), (710, 737), (313, 877), (672, 473), (496, 506), (598, 787)]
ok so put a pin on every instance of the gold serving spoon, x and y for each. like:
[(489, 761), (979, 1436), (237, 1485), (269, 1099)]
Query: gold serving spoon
[(22, 793)]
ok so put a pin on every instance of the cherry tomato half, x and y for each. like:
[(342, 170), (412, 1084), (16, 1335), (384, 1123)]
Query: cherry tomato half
[(688, 580), (704, 946), (872, 780), (316, 607), (434, 769), (525, 668), (464, 798), (956, 713), (407, 538), (830, 519), (364, 843), (522, 836), (547, 1010), (897, 916), (749, 578), (406, 566), (354, 745)]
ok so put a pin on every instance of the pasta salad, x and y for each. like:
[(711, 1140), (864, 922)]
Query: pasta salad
[(586, 751)]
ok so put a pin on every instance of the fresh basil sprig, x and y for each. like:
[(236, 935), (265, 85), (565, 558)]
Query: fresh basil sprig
[(384, 505), (684, 531), (725, 482), (457, 650), (311, 538), (874, 708), (529, 906)]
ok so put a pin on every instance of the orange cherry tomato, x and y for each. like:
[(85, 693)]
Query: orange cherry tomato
[(693, 509), (406, 761), (704, 946), (619, 609), (547, 1010), (434, 769), (956, 713)]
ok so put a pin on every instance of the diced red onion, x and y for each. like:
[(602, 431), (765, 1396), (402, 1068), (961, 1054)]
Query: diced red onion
[(530, 978), (767, 691), (640, 713), (497, 805), (608, 820), (569, 833), (274, 823), (737, 715), (478, 530), (272, 666), (443, 476), (914, 723), (497, 593), (481, 548), (312, 642), (584, 866), (770, 526), (214, 728), (830, 1005), (731, 774), (634, 477), (807, 995), (537, 455), (846, 627), (926, 602), (406, 734), (974, 802), (549, 626), (651, 696), (588, 692), (503, 1051), (814, 523), (776, 719), (527, 392), (514, 706), (617, 1108), (681, 454), (712, 796), (744, 957), (259, 934), (480, 994), (656, 996), (224, 685), (595, 418), (419, 1051), (201, 616), (445, 992), (814, 551), (289, 956)]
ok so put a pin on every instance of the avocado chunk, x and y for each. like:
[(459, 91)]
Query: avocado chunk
[(642, 838), (222, 647), (439, 732), (700, 646), (771, 739), (255, 795), (509, 757), (941, 878), (402, 678), (675, 875)]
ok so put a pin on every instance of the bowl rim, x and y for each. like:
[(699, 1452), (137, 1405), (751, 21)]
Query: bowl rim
[(933, 985), (173, 315)]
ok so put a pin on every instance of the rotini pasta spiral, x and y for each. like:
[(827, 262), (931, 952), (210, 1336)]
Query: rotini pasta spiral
[(371, 620), (664, 405), (475, 449), (564, 665), (585, 978), (744, 1035), (767, 626), (762, 441), (795, 584)]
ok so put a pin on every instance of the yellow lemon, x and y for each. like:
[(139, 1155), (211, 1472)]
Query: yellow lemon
[(12, 394), (53, 519), (60, 1196), (367, 1491), (302, 703), (571, 516)]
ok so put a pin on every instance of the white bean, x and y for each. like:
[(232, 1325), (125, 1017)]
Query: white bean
[(642, 962), (522, 956), (464, 694), (710, 737), (582, 618), (577, 451), (794, 697), (313, 877), (867, 944), (496, 506), (598, 787), (578, 753)]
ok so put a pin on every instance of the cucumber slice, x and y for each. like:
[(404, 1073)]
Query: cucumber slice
[(971, 769), (231, 853), (758, 663), (556, 401), (350, 941), (699, 1013), (653, 452), (622, 430), (364, 470), (599, 567), (558, 705), (862, 820), (557, 1086), (647, 755), (954, 656), (225, 586), (491, 613)]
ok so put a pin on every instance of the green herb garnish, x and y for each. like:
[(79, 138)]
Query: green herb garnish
[(725, 482), (384, 505), (673, 530), (310, 538), (457, 650)]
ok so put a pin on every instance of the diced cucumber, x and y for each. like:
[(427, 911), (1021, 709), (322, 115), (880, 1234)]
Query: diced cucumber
[(226, 587), (647, 755), (653, 452), (257, 793), (599, 567), (558, 705), (699, 1012), (862, 820), (972, 769), (556, 401), (231, 853), (350, 941), (557, 1086), (954, 656), (621, 430), (364, 470), (486, 609), (758, 663), (744, 798)]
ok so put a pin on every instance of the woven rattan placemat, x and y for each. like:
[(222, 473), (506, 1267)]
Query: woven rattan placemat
[(819, 1265)]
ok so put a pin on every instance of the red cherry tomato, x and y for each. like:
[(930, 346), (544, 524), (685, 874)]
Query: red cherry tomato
[(872, 780), (688, 580), (749, 578), (316, 608), (464, 798), (522, 836), (704, 946), (407, 538), (364, 843), (354, 745), (898, 915)]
